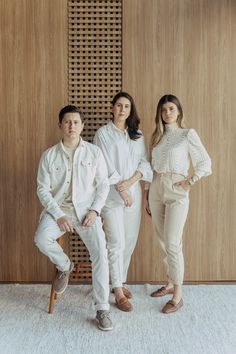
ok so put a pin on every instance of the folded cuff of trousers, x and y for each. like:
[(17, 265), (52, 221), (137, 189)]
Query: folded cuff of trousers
[(117, 285), (99, 307)]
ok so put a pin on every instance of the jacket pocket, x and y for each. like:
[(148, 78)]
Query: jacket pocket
[(87, 163)]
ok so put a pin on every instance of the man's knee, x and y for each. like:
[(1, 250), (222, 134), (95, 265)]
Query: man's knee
[(41, 241)]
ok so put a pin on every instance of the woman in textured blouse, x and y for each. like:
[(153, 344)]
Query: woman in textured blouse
[(167, 200), (123, 147)]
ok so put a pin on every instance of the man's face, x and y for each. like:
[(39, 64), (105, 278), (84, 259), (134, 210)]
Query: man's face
[(71, 126)]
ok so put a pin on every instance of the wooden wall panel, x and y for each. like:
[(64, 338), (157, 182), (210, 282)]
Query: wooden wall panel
[(188, 48), (33, 86)]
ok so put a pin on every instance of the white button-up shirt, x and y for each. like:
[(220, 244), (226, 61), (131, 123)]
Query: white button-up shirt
[(90, 185), (123, 156)]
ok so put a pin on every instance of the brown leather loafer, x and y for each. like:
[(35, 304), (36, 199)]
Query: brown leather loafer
[(124, 305), (162, 292), (171, 306), (127, 293)]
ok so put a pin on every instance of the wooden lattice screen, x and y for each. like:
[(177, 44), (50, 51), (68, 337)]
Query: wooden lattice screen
[(95, 63)]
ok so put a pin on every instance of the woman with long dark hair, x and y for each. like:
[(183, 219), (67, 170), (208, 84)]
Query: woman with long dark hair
[(167, 200), (123, 147)]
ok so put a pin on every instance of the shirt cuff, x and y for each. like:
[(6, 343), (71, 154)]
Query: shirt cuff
[(193, 180)]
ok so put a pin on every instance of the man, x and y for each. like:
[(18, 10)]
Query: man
[(72, 187)]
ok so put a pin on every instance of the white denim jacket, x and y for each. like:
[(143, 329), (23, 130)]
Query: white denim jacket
[(90, 184)]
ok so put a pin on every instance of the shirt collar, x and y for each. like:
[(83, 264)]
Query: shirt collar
[(81, 144), (114, 127)]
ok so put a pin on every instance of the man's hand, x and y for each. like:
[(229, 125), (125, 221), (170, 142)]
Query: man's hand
[(128, 200), (65, 224), (89, 218)]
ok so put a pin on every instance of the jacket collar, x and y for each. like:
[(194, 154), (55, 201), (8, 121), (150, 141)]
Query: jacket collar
[(62, 147)]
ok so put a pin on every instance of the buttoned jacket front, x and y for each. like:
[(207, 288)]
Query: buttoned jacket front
[(90, 184)]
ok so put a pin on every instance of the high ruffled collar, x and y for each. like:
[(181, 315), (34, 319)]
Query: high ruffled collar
[(169, 128)]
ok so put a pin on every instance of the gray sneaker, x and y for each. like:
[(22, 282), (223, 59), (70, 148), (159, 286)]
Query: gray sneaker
[(62, 279), (104, 321)]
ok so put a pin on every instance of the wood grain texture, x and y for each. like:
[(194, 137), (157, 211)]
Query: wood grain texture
[(185, 47), (188, 48), (33, 86)]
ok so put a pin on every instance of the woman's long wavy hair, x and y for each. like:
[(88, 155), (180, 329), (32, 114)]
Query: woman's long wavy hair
[(160, 124), (133, 121)]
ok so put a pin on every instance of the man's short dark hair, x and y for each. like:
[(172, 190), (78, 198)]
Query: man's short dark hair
[(70, 109)]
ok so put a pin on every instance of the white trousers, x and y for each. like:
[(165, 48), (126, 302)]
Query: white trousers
[(121, 225), (94, 239), (169, 208)]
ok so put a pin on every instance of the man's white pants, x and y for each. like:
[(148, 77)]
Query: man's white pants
[(121, 225), (93, 237), (169, 208)]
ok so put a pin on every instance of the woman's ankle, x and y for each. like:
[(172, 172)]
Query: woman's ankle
[(169, 285), (118, 293), (177, 296)]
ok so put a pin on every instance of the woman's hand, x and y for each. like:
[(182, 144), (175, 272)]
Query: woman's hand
[(124, 185), (128, 200), (146, 202), (184, 184), (127, 183)]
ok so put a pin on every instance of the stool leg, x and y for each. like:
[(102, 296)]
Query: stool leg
[(53, 295)]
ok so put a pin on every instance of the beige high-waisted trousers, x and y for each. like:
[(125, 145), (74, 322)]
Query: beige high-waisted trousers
[(169, 208)]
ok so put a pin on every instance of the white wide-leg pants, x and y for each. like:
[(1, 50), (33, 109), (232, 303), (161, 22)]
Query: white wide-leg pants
[(94, 239), (121, 226), (169, 208)]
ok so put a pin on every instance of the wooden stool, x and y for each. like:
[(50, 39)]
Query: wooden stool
[(78, 267)]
